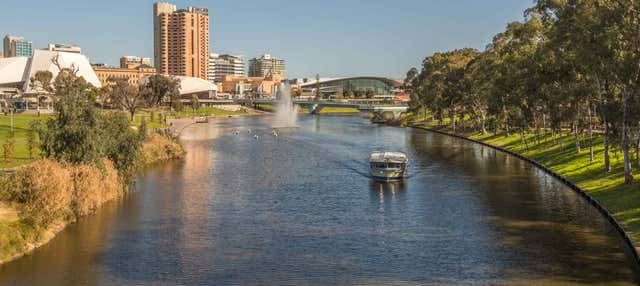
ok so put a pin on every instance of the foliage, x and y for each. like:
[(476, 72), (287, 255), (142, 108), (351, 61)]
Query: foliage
[(32, 140), (195, 102), (8, 147), (126, 96), (160, 88), (81, 134), (569, 66), (370, 93)]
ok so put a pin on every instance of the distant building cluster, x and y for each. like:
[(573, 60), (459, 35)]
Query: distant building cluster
[(266, 65), (180, 49), (16, 46), (224, 65)]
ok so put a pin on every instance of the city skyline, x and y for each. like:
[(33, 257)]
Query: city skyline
[(346, 40)]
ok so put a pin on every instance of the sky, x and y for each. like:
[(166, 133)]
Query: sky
[(333, 38)]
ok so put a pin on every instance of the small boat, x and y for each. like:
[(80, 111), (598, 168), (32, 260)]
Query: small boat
[(388, 166), (202, 119)]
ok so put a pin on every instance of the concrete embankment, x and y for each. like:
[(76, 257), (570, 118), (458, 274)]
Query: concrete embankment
[(626, 237)]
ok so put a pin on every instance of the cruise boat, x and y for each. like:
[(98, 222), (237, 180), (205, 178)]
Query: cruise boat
[(388, 165)]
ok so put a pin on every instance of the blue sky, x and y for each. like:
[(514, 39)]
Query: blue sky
[(329, 37)]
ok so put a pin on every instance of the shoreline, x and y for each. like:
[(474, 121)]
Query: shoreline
[(625, 236), (51, 231)]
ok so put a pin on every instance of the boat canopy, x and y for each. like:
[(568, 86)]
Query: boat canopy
[(389, 157)]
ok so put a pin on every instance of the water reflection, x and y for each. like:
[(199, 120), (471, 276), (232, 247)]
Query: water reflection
[(300, 208)]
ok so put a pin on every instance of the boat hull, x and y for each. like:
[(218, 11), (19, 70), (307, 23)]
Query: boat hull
[(387, 174)]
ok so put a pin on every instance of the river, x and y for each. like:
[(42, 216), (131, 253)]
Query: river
[(300, 209)]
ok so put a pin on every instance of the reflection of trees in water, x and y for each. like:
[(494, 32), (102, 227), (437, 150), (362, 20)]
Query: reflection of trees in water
[(531, 211)]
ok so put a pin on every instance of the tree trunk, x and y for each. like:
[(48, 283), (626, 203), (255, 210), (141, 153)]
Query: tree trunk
[(452, 118), (628, 176), (637, 149), (576, 139), (590, 134), (523, 140), (607, 158), (483, 123), (561, 141)]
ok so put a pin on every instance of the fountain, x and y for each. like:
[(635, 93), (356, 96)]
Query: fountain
[(286, 111)]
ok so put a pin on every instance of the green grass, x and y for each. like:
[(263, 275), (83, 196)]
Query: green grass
[(203, 111), (621, 199), (20, 127)]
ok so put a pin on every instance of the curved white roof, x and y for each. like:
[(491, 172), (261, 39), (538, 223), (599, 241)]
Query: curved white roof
[(42, 60), (12, 70), (190, 84)]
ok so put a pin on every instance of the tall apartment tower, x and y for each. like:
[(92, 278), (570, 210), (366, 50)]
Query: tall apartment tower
[(266, 65), (16, 46), (181, 40)]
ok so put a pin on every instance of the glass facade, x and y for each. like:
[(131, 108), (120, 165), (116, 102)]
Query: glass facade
[(23, 49), (378, 85)]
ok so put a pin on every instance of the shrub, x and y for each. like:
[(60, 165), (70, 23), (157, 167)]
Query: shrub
[(92, 187), (160, 148), (44, 190)]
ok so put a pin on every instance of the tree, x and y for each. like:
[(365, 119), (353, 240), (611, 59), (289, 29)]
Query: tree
[(32, 139), (42, 80), (73, 134), (80, 133), (348, 94), (411, 79), (370, 93), (8, 147), (195, 103), (160, 88), (359, 93), (127, 96)]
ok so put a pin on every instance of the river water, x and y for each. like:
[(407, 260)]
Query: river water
[(300, 209)]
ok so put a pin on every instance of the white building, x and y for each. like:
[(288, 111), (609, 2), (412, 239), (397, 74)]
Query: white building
[(43, 60), (221, 65), (16, 72), (68, 48)]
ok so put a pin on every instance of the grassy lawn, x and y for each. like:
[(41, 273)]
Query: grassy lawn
[(609, 188), (20, 127), (203, 111)]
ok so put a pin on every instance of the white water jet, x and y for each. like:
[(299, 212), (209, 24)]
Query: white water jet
[(286, 111)]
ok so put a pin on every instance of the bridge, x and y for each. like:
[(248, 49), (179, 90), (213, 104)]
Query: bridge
[(315, 106)]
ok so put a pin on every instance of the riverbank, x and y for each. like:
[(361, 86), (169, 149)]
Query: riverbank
[(39, 199), (619, 200)]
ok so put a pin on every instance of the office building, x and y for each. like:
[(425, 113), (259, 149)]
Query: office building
[(109, 75), (181, 40), (16, 46), (222, 65), (241, 86), (266, 65), (132, 62)]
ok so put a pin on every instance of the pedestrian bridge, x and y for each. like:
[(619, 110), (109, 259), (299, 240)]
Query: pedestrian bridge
[(315, 106)]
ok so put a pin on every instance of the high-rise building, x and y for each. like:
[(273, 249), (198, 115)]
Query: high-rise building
[(16, 46), (132, 62), (221, 65), (67, 48), (266, 65), (181, 40)]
